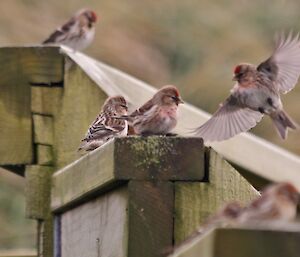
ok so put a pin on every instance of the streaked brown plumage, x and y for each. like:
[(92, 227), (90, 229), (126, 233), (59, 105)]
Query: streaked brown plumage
[(78, 33), (158, 116), (257, 92), (105, 126)]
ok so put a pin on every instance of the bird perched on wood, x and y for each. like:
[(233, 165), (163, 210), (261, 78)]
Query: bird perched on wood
[(158, 116), (257, 92), (77, 33), (278, 202), (105, 126)]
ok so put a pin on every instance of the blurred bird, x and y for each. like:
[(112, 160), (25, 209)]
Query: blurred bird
[(106, 127), (257, 92), (158, 116), (278, 202), (78, 33)]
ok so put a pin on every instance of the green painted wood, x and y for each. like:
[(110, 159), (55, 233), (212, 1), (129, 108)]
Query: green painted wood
[(37, 191), (15, 125), (81, 102), (44, 155), (196, 201), (131, 158), (43, 131), (150, 217), (159, 158)]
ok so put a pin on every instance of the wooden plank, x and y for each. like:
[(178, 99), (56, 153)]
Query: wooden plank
[(37, 191), (79, 106), (44, 155), (150, 218), (159, 158), (15, 125), (90, 173), (46, 100), (97, 228), (132, 158), (43, 129), (113, 81), (196, 201)]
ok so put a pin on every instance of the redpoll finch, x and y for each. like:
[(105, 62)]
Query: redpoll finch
[(78, 33), (106, 127), (277, 202), (257, 92), (158, 116)]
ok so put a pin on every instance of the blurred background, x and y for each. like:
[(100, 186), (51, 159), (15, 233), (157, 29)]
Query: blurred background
[(193, 44)]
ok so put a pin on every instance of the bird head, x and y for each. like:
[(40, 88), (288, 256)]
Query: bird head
[(116, 104), (89, 17), (287, 192), (242, 70), (168, 95)]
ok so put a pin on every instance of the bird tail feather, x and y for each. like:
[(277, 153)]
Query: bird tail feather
[(282, 122)]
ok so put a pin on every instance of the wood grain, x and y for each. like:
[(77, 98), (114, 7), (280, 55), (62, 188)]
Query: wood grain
[(150, 218), (196, 201), (43, 129), (97, 228)]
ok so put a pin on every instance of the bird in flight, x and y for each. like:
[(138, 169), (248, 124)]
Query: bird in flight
[(257, 93)]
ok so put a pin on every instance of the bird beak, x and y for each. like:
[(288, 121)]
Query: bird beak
[(180, 101)]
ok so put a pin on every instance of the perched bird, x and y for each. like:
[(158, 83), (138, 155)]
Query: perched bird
[(257, 92), (278, 202), (78, 33), (106, 127), (158, 116)]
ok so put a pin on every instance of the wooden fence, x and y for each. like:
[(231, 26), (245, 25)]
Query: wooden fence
[(132, 197)]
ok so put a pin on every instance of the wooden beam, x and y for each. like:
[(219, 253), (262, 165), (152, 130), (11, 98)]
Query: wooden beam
[(260, 240), (43, 131), (113, 81), (131, 158), (44, 155), (150, 217), (196, 201), (159, 158)]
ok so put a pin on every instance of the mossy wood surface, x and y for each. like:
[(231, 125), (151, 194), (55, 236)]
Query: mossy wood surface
[(43, 131), (132, 158), (196, 201), (150, 218), (244, 242), (44, 155), (159, 158), (97, 228), (37, 191)]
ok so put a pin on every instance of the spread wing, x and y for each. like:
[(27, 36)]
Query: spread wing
[(229, 120), (62, 33), (283, 67)]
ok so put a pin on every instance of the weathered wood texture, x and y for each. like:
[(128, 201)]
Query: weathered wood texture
[(46, 100), (196, 201), (43, 132), (132, 158), (37, 191), (159, 158), (150, 218), (81, 102), (44, 155), (15, 125), (244, 242), (97, 228)]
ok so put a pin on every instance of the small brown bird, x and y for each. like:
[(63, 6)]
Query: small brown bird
[(158, 116), (257, 92), (78, 33), (278, 202), (106, 127)]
